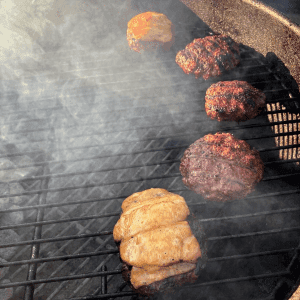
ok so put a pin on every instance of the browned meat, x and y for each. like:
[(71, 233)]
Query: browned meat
[(209, 56), (233, 101), (150, 31), (221, 167)]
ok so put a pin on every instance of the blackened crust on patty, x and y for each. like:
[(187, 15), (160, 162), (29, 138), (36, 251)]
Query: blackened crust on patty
[(170, 283), (221, 167), (233, 101), (209, 57)]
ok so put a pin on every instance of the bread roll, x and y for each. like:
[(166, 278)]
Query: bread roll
[(150, 31)]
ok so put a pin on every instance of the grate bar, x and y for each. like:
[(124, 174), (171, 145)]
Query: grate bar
[(61, 175), (63, 257), (191, 99), (141, 87), (286, 210), (31, 275), (273, 231), (271, 212), (107, 296), (136, 117), (63, 278), (49, 240), (60, 221), (161, 137), (282, 161), (121, 129), (290, 192), (231, 280), (103, 243), (125, 66), (116, 251), (88, 186), (125, 196), (63, 238), (242, 256), (63, 204)]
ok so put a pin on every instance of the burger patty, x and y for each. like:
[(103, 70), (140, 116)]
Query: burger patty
[(221, 167), (233, 101), (209, 57)]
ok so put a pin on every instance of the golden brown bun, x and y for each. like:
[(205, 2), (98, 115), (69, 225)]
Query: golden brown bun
[(162, 285), (158, 256), (162, 246), (144, 210), (150, 31), (141, 276)]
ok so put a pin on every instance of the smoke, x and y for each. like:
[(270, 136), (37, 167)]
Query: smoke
[(107, 120)]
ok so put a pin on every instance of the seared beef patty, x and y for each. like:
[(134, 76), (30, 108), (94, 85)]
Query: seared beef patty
[(209, 56), (221, 167), (233, 101)]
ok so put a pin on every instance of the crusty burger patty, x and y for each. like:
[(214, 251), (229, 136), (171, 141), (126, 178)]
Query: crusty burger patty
[(209, 57), (221, 167), (233, 101), (150, 31)]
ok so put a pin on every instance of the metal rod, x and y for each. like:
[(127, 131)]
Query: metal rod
[(63, 278), (238, 279), (31, 275), (279, 211), (60, 221), (169, 136), (235, 236), (104, 281), (107, 296), (51, 240), (63, 257), (117, 290), (84, 201), (90, 254)]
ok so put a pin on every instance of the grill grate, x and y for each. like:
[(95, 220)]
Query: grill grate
[(115, 126)]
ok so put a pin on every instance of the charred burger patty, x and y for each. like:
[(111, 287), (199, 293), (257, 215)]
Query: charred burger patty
[(209, 56), (233, 101)]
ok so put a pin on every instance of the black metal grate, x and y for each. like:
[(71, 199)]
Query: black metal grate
[(90, 141)]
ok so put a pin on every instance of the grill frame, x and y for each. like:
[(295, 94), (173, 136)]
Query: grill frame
[(103, 273)]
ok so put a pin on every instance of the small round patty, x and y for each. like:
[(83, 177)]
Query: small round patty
[(150, 31), (221, 167), (233, 101)]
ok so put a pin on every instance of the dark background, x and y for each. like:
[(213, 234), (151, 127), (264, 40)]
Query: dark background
[(290, 8)]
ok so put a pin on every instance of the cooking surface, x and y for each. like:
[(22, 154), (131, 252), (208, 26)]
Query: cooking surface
[(90, 122)]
